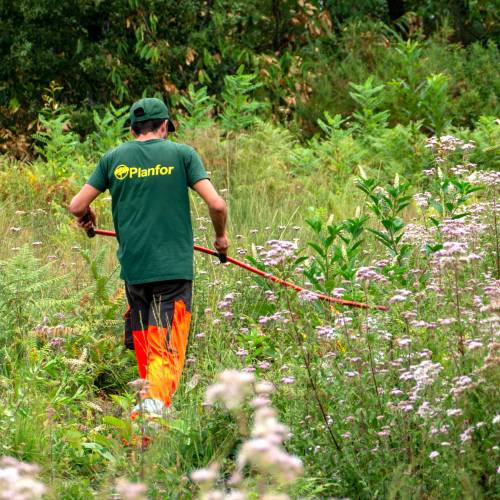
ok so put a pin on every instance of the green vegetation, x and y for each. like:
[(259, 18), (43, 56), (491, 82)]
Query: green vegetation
[(436, 59), (366, 169)]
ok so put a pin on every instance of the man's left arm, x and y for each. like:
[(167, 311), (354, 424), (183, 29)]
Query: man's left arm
[(80, 206)]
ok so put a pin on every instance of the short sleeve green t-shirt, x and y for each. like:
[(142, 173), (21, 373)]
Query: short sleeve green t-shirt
[(148, 182)]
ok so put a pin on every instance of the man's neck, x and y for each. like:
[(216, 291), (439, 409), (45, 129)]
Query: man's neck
[(148, 136)]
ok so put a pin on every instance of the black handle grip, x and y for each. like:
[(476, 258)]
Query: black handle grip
[(222, 257), (86, 218)]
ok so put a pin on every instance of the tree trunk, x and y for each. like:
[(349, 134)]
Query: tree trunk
[(276, 12), (396, 9)]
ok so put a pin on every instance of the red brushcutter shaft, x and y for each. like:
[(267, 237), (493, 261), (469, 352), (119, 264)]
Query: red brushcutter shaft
[(225, 258)]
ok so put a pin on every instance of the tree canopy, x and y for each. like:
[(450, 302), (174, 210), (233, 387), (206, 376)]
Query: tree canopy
[(117, 50)]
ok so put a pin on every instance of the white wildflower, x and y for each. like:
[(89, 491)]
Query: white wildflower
[(264, 387), (466, 435), (130, 491), (18, 480), (232, 388), (205, 476)]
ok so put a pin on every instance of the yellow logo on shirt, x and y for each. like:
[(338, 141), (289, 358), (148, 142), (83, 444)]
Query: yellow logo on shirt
[(123, 171)]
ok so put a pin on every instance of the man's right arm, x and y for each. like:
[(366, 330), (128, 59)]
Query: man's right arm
[(80, 206), (218, 212)]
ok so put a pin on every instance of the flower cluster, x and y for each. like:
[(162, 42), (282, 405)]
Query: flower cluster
[(225, 305), (231, 389), (461, 384), (278, 316), (446, 144), (279, 251), (492, 291), (370, 274), (263, 451), (489, 178), (424, 374), (18, 480), (226, 302), (422, 199), (130, 491), (401, 296), (417, 234), (326, 332), (307, 296), (463, 230)]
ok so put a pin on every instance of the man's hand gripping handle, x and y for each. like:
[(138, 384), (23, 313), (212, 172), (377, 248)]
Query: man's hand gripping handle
[(90, 230)]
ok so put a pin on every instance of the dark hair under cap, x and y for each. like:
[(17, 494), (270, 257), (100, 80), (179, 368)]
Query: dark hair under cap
[(147, 126)]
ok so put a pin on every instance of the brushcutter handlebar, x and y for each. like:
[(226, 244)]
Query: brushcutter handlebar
[(90, 231), (222, 257)]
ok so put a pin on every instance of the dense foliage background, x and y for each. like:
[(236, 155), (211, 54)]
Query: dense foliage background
[(304, 54)]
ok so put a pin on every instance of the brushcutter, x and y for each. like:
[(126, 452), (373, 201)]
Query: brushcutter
[(224, 258)]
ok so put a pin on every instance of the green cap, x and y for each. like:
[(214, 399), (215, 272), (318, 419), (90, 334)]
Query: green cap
[(150, 108)]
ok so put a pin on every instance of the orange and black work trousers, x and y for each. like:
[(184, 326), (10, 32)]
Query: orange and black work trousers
[(157, 328)]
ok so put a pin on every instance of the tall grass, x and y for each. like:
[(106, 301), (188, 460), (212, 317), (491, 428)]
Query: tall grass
[(390, 405)]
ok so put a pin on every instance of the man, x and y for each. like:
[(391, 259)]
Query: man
[(148, 179)]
